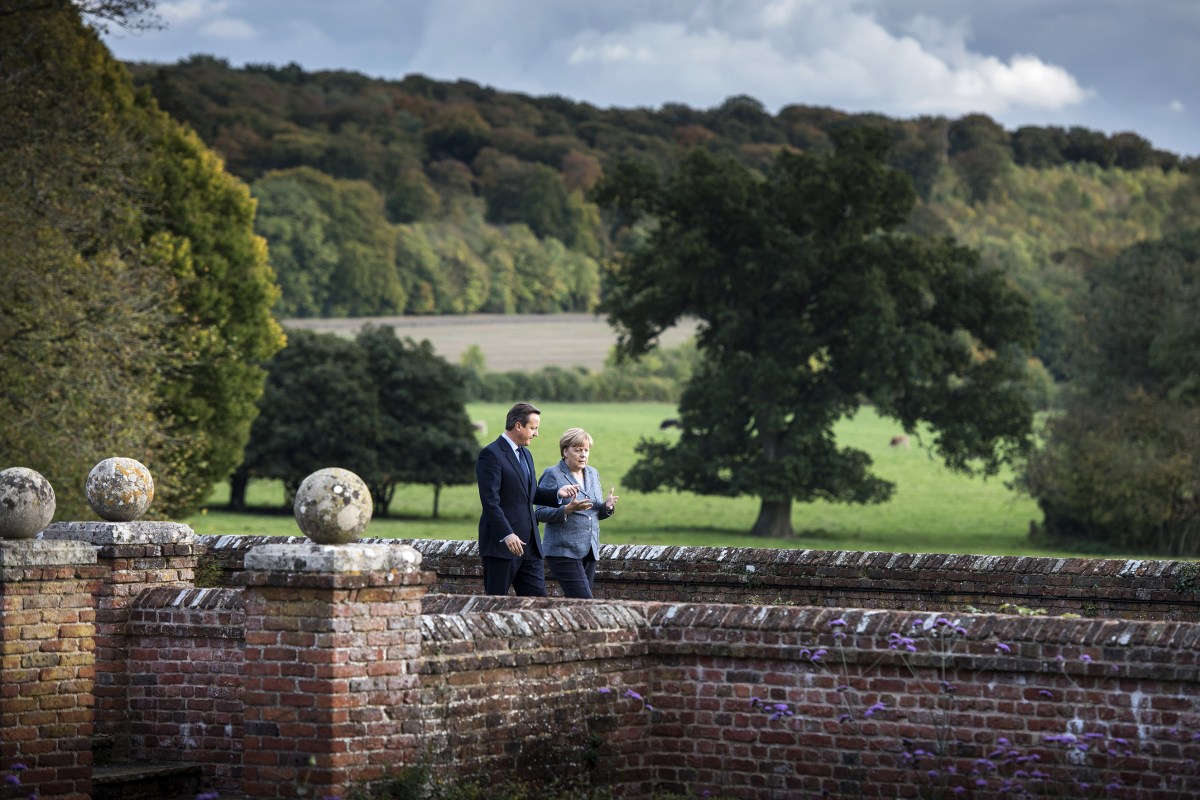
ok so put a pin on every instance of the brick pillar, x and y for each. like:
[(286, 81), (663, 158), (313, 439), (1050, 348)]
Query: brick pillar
[(332, 637), (133, 556), (47, 666)]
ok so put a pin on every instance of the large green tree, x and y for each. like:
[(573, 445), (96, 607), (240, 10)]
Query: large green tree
[(390, 410), (1120, 465), (133, 271), (425, 434), (809, 306), (80, 300), (319, 409)]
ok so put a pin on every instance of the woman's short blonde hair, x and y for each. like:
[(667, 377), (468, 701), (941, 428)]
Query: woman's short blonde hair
[(572, 437)]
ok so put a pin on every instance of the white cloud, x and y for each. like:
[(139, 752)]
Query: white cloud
[(1176, 106), (801, 51), (227, 28), (181, 12)]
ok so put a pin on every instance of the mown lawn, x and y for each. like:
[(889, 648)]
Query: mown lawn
[(934, 510)]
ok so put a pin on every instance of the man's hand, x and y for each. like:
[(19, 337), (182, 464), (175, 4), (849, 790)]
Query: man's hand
[(570, 490), (513, 543)]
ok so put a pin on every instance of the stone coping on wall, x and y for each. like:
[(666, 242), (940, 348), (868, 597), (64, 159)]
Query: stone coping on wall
[(1151, 649), (1137, 648), (515, 632), (110, 533), (27, 553), (733, 561), (307, 557), (1087, 586), (188, 613)]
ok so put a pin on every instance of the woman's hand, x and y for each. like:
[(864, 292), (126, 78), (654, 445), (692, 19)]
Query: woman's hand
[(610, 502), (578, 504)]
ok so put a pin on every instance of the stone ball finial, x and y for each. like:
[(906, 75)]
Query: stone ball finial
[(333, 506), (120, 489), (26, 503)]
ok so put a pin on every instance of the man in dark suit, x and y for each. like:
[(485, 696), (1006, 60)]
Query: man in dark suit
[(509, 542)]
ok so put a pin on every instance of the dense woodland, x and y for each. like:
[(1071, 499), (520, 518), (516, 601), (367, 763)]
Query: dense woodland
[(428, 197)]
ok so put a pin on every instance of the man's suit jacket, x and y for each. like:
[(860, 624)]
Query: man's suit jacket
[(507, 497)]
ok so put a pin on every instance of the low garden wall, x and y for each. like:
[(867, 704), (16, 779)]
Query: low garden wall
[(1089, 587), (316, 669)]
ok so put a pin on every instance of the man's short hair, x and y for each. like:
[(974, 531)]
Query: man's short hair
[(519, 413)]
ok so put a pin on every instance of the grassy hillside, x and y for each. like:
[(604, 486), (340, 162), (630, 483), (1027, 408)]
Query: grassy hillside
[(934, 510)]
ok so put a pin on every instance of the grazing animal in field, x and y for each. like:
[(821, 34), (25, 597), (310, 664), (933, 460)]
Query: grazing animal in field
[(668, 423), (899, 441)]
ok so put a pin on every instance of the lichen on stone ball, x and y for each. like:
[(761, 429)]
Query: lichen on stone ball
[(333, 506), (26, 503), (120, 489)]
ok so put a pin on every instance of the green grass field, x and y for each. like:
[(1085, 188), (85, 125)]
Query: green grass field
[(934, 510)]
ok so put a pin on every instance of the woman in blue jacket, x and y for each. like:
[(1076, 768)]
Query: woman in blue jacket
[(572, 541)]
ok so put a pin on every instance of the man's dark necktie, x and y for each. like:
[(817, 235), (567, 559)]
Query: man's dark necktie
[(524, 465)]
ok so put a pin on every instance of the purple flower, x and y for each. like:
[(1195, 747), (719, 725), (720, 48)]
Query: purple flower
[(817, 656), (837, 622), (633, 694), (870, 712), (12, 780), (1045, 693), (1001, 647), (1085, 657), (604, 690)]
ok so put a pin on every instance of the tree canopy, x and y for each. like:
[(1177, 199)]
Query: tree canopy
[(390, 410), (138, 283), (1120, 465), (459, 166), (811, 303)]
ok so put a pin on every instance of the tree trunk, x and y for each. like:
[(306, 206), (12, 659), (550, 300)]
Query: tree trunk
[(774, 519), (437, 493), (237, 490)]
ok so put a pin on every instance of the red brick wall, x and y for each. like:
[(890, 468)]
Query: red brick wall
[(47, 670), (184, 676), (328, 679), (1106, 588), (977, 692), (513, 688), (127, 570)]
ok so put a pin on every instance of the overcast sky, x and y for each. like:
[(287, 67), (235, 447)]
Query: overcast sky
[(1110, 65)]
